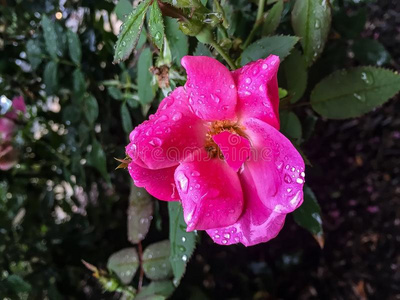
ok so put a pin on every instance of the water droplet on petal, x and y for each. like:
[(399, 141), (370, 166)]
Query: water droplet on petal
[(177, 116), (183, 181), (287, 179)]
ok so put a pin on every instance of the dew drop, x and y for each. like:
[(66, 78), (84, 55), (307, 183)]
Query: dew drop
[(195, 174), (156, 142), (183, 181), (287, 179), (359, 97), (299, 180), (177, 116), (248, 80)]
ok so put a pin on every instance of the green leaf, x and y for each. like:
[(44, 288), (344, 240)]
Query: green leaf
[(115, 92), (61, 39), (126, 118), (140, 214), (163, 288), (50, 36), (122, 9), (71, 114), (124, 264), (309, 125), (130, 32), (50, 77), (350, 23), (74, 46), (311, 20), (156, 25), (156, 264), (290, 125), (368, 51), (273, 18), (182, 243), (280, 45), (178, 41), (308, 215), (145, 89), (97, 159), (354, 92), (34, 53), (91, 110), (79, 85), (18, 284), (295, 72), (202, 50)]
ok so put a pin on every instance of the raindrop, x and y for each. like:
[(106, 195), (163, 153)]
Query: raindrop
[(183, 181), (227, 236), (177, 116), (195, 173), (287, 179), (184, 257), (156, 142), (265, 66), (359, 97), (248, 80), (317, 24), (367, 77), (299, 180)]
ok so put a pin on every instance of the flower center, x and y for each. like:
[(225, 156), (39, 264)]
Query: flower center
[(217, 127)]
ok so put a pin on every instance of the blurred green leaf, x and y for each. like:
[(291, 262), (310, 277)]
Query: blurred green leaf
[(290, 125), (71, 114), (280, 45), (97, 159), (350, 25), (34, 53), (145, 89), (156, 25), (74, 46), (295, 72), (369, 51), (178, 41), (182, 243), (115, 92), (50, 77), (202, 50), (18, 284), (79, 85), (50, 36), (124, 264), (311, 20), (308, 215), (354, 92), (273, 18), (91, 110), (61, 39), (163, 288), (309, 125), (130, 32), (126, 118), (156, 264), (123, 8), (140, 214)]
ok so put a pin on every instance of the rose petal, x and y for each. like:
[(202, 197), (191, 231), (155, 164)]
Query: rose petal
[(18, 105), (258, 95), (211, 88), (276, 167), (210, 191), (235, 148), (168, 136), (7, 128), (158, 183), (8, 157)]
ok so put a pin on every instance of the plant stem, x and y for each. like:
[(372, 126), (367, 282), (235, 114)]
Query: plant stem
[(257, 24), (224, 55), (141, 274)]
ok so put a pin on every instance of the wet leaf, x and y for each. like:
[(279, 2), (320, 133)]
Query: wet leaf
[(273, 18), (140, 214), (354, 92), (308, 215), (178, 41), (130, 32), (163, 288), (280, 45), (145, 89), (50, 36), (124, 264), (311, 20), (18, 284), (156, 25), (156, 264), (182, 243), (122, 9), (74, 46)]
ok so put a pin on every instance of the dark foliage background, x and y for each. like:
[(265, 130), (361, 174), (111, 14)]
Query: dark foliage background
[(45, 233)]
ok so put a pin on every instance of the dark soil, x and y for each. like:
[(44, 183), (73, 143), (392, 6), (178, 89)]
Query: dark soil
[(356, 177)]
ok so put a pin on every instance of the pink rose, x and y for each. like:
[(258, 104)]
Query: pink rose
[(215, 145), (8, 155)]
